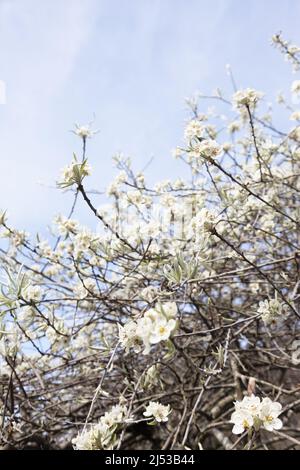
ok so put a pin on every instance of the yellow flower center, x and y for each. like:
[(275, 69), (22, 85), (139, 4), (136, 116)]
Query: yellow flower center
[(269, 419)]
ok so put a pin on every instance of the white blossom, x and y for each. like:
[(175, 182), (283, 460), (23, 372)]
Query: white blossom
[(32, 293), (295, 116), (194, 129), (270, 310), (162, 330), (128, 336), (158, 411), (207, 149), (256, 413), (269, 412), (74, 173), (155, 326), (101, 436), (295, 88), (242, 420), (248, 97), (84, 131)]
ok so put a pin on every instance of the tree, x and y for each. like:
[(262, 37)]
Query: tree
[(176, 324)]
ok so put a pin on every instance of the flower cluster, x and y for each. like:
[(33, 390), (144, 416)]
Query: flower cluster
[(207, 149), (203, 222), (103, 434), (17, 286), (252, 412), (32, 293), (74, 173), (270, 310), (194, 129), (156, 325), (291, 51), (85, 132), (247, 97), (159, 412)]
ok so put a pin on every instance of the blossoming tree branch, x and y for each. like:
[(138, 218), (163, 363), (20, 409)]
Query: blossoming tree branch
[(175, 324)]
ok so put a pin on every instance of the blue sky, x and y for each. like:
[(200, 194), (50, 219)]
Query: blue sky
[(132, 63)]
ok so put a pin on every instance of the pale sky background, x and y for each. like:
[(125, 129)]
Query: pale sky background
[(132, 63)]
